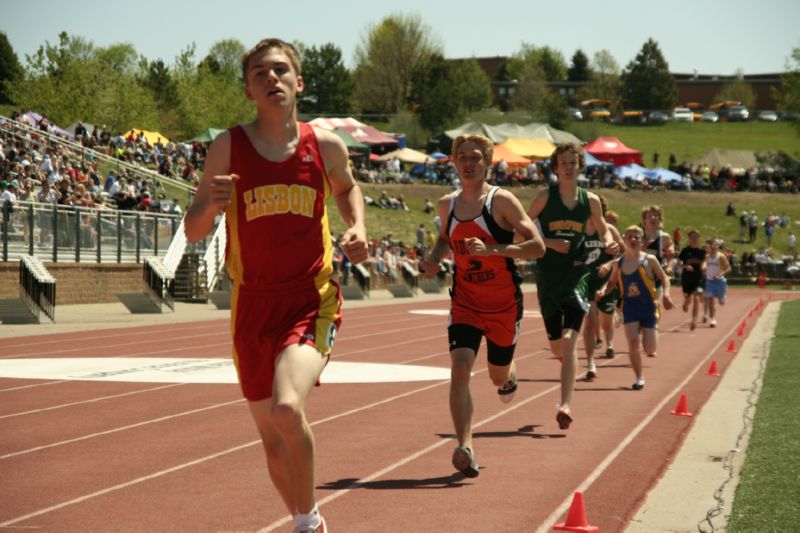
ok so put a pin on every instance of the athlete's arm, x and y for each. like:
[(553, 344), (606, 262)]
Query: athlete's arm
[(599, 221), (347, 194), (724, 265), (610, 283), (537, 206), (659, 273), (215, 191), (509, 214)]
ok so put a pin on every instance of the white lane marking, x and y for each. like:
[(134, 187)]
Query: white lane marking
[(200, 460), (445, 312), (189, 370), (548, 522), (92, 400)]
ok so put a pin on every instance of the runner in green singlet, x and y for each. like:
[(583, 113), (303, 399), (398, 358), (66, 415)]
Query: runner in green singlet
[(562, 212)]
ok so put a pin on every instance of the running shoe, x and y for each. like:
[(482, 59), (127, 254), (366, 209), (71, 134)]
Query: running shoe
[(598, 343), (712, 323), (464, 461), (705, 319), (610, 352), (591, 373), (506, 392), (692, 325), (639, 384), (321, 528), (651, 354), (563, 418)]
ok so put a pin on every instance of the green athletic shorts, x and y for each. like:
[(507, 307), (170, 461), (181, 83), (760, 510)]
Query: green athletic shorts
[(558, 290)]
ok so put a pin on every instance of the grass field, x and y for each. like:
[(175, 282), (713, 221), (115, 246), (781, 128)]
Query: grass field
[(691, 140), (704, 211), (768, 492)]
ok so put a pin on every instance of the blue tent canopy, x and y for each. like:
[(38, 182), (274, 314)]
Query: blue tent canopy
[(592, 161), (632, 171), (666, 174)]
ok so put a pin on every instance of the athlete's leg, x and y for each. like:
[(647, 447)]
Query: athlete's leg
[(607, 325), (590, 336), (569, 343), (275, 450), (650, 340), (462, 361), (296, 372), (632, 334)]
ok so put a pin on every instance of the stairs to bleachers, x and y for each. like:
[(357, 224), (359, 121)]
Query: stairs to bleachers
[(190, 279)]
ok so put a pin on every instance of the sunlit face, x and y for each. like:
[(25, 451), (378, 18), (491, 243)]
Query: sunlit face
[(652, 218), (633, 240), (568, 166), (694, 237), (271, 78), (469, 162)]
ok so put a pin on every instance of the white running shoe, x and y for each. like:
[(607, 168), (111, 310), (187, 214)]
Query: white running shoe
[(506, 392), (639, 384)]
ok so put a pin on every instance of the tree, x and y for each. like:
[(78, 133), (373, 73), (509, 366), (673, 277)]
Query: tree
[(788, 98), (444, 90), (604, 80), (738, 90), (208, 96), (386, 58), (10, 69), (548, 61), (225, 59), (647, 82), (533, 96), (328, 84), (77, 81), (579, 69)]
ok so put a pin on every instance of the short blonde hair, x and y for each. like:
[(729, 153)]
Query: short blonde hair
[(484, 145), (634, 229), (266, 44)]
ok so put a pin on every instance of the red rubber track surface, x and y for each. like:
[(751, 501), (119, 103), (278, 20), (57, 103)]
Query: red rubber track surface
[(132, 457)]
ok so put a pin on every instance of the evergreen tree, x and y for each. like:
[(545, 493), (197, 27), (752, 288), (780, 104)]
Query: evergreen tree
[(10, 69), (328, 84), (647, 82), (579, 69)]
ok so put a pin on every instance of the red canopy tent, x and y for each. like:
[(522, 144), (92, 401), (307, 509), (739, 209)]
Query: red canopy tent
[(370, 136), (611, 149)]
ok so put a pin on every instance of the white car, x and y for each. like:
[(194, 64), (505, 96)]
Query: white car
[(709, 116), (768, 116), (682, 114)]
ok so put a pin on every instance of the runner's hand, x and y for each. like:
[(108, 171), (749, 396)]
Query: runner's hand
[(221, 190), (354, 245), (475, 246)]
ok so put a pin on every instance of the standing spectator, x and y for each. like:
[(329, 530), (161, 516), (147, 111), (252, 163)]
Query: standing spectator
[(421, 234), (676, 239), (656, 157), (792, 244), (743, 221), (752, 224)]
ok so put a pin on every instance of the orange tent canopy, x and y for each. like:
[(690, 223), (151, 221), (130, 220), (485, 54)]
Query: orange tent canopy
[(503, 153)]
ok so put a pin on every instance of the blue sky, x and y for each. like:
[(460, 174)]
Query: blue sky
[(710, 36)]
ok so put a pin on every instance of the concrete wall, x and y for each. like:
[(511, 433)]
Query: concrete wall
[(79, 283)]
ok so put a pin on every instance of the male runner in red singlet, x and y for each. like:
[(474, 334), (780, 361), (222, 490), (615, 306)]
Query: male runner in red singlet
[(479, 226), (271, 178)]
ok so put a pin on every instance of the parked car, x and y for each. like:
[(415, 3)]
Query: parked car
[(657, 117), (738, 113), (709, 116), (768, 116), (682, 114), (575, 114)]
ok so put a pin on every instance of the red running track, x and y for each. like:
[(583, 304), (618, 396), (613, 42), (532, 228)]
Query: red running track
[(119, 456)]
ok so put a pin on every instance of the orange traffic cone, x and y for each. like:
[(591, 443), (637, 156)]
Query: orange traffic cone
[(681, 409), (576, 518), (712, 369), (740, 333), (731, 347), (750, 314)]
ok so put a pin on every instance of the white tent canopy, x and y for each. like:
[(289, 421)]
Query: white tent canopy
[(501, 132), (407, 155), (333, 123)]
